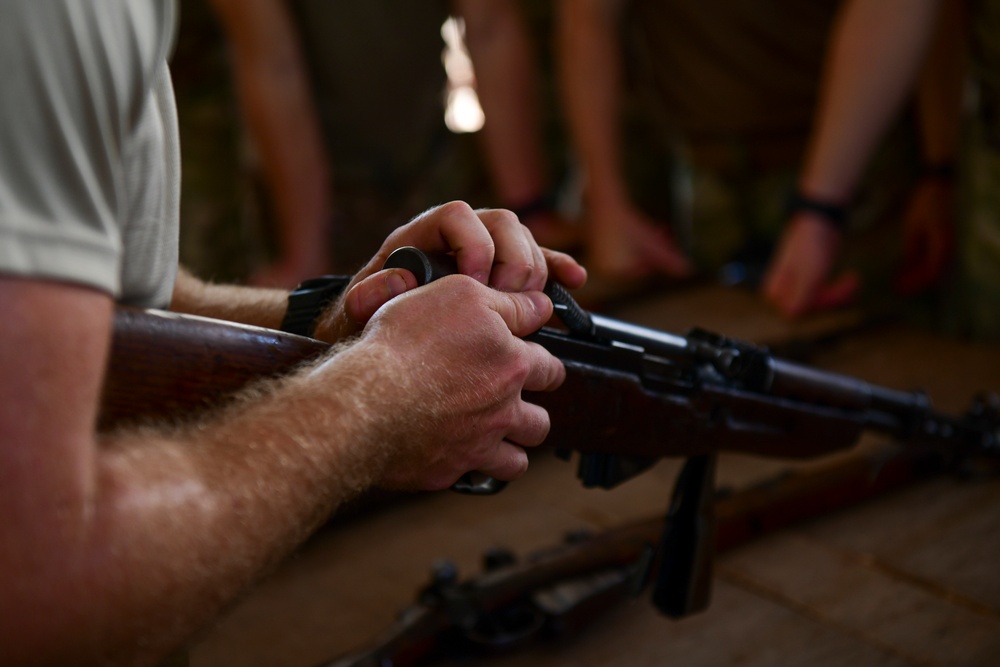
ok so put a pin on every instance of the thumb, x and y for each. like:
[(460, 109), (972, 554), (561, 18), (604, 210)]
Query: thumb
[(523, 312), (375, 291)]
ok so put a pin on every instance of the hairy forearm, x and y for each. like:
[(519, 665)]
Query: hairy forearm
[(260, 307), (876, 51), (177, 521), (589, 67)]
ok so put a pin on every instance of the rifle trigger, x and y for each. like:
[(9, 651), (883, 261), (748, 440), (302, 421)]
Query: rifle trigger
[(683, 586)]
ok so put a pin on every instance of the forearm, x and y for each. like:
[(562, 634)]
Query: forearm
[(262, 307), (875, 53), (287, 135), (274, 88), (178, 521), (590, 71), (507, 82)]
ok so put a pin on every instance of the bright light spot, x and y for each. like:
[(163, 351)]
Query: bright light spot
[(462, 112)]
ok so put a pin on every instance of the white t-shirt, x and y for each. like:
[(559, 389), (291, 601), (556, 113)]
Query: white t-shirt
[(89, 152)]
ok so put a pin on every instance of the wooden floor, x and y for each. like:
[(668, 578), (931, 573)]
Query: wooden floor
[(912, 578)]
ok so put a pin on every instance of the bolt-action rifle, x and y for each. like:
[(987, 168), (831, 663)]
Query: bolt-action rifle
[(632, 395), (558, 591)]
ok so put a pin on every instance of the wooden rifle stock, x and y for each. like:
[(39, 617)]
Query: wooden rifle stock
[(169, 366)]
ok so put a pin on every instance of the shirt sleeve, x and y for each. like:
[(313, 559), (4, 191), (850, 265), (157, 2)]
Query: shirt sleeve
[(69, 93)]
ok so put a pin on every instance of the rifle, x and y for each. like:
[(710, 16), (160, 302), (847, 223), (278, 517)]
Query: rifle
[(632, 395), (558, 591)]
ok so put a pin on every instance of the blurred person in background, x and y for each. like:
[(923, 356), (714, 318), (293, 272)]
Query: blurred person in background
[(726, 94), (880, 52), (344, 102)]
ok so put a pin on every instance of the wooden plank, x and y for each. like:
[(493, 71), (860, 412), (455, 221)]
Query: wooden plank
[(874, 600), (944, 534), (740, 629)]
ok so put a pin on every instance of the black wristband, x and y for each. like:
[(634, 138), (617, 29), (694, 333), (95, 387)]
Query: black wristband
[(308, 300), (835, 214)]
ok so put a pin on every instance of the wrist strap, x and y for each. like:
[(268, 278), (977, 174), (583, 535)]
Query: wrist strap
[(308, 300), (834, 214)]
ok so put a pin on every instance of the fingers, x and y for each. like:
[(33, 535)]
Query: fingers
[(791, 293), (531, 426), (804, 258), (564, 269), (546, 372), (508, 463), (370, 294), (523, 312), (450, 228), (518, 264), (796, 295), (509, 460), (784, 290), (490, 245)]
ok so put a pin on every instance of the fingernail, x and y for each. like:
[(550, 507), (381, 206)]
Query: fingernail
[(541, 303), (395, 284)]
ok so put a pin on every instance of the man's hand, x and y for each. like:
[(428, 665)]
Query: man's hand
[(491, 246), (928, 236), (626, 244), (449, 369), (797, 279)]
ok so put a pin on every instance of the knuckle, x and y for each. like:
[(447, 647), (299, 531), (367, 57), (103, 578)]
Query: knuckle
[(501, 216), (527, 232), (520, 309), (543, 428), (456, 208), (522, 368), (520, 272)]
